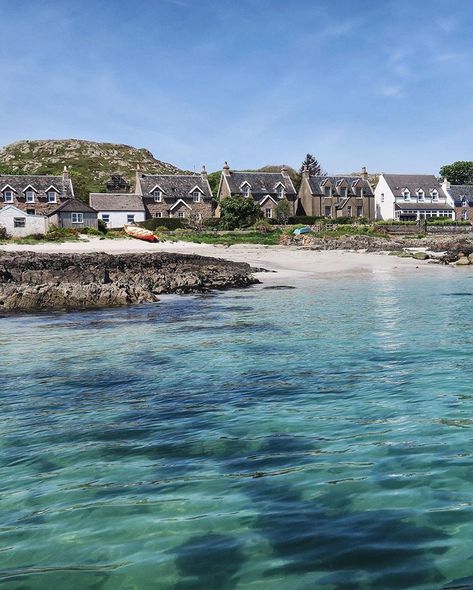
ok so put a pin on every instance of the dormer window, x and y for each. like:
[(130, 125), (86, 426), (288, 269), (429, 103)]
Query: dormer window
[(8, 196), (280, 191), (157, 196), (52, 197), (328, 191), (406, 194), (435, 195), (29, 196), (196, 196), (343, 192), (246, 189), (464, 203), (420, 194)]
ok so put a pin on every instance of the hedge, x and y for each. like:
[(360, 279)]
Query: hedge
[(170, 223)]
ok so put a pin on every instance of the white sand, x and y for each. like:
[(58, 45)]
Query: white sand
[(288, 262)]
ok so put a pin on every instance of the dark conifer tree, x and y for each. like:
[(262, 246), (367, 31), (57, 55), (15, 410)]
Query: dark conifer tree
[(315, 169)]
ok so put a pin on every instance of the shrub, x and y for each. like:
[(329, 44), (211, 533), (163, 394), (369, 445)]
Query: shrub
[(238, 211), (3, 233), (102, 226), (170, 223), (212, 223), (59, 234), (161, 229), (283, 210), (90, 231), (263, 226), (342, 220), (303, 219)]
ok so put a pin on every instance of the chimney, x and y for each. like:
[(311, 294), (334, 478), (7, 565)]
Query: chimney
[(445, 184), (138, 190), (305, 172), (65, 174), (203, 173), (226, 169), (284, 170), (364, 173)]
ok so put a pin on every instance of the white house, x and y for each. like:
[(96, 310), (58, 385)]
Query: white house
[(410, 197), (19, 224), (118, 209)]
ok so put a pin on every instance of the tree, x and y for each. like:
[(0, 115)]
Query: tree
[(238, 211), (460, 172), (283, 211), (315, 169)]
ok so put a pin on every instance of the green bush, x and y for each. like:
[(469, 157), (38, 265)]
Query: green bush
[(212, 223), (59, 234), (342, 220), (102, 226), (263, 225), (395, 222), (238, 211), (171, 223), (90, 231), (303, 219), (161, 228)]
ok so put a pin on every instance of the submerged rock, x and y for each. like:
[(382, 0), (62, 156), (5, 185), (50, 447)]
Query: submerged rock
[(30, 281)]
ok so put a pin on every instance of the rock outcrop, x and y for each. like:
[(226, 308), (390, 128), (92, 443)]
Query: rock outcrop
[(30, 281)]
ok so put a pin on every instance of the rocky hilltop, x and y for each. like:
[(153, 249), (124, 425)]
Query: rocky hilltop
[(30, 281), (91, 163)]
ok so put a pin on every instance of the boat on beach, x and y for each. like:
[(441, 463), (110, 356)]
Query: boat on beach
[(140, 233)]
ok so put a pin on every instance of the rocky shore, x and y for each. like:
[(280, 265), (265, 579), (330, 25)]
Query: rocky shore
[(30, 281)]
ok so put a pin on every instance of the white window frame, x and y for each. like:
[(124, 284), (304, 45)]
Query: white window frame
[(130, 218), (8, 196), (382, 197), (420, 195), (343, 192), (158, 196), (29, 196), (181, 214), (246, 189), (52, 196), (196, 196), (435, 195), (105, 218), (77, 217), (268, 213), (465, 215), (158, 214), (406, 195)]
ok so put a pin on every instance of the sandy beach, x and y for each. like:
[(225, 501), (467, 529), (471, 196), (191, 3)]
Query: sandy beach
[(289, 263)]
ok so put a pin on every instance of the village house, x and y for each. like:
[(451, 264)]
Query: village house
[(410, 197), (267, 189), (336, 196), (461, 196), (74, 214), (185, 196), (118, 209), (35, 194), (19, 224)]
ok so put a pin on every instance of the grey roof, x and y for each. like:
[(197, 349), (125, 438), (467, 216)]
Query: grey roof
[(40, 183), (261, 183), (460, 193), (413, 182), (75, 206), (423, 207), (174, 186), (315, 183), (116, 202)]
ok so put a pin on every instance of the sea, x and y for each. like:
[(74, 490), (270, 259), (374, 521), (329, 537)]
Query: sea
[(312, 437)]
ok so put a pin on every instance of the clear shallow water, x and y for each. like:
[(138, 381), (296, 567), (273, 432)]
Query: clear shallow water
[(311, 438)]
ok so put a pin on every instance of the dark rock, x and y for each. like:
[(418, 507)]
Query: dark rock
[(30, 281)]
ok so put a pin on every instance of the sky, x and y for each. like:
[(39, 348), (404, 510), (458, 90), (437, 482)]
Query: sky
[(385, 84)]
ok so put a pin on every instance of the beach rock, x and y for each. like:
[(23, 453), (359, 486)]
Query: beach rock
[(420, 256), (30, 281), (462, 261)]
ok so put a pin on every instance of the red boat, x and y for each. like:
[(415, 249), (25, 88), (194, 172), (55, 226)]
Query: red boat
[(140, 233)]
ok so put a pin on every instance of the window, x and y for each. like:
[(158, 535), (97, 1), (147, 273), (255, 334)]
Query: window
[(382, 197), (328, 191), (130, 218), (19, 222), (280, 191), (52, 197), (106, 218), (159, 214), (435, 195), (77, 218), (420, 194), (181, 214), (465, 215), (8, 196), (31, 211), (349, 210), (359, 192), (359, 211), (268, 213), (328, 211), (246, 190), (196, 196), (29, 196), (158, 196), (343, 192), (406, 194)]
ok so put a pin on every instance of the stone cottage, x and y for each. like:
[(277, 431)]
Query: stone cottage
[(267, 189), (35, 194), (74, 214), (461, 197), (185, 196), (336, 196)]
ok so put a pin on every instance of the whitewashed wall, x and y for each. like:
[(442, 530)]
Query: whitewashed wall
[(119, 218), (34, 224), (384, 200)]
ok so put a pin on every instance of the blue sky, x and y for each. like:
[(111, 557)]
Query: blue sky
[(386, 84)]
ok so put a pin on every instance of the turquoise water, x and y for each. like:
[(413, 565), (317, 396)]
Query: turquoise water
[(319, 437)]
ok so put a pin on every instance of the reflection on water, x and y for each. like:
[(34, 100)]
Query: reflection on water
[(316, 437)]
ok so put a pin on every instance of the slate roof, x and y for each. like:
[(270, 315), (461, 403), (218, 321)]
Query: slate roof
[(413, 182), (40, 183), (74, 206), (460, 192), (116, 202), (174, 186), (261, 183), (427, 206), (315, 183)]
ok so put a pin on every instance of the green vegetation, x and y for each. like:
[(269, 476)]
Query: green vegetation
[(283, 210), (214, 181), (229, 238), (170, 223), (238, 212), (460, 172)]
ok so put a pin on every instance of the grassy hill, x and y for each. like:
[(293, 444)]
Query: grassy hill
[(90, 163)]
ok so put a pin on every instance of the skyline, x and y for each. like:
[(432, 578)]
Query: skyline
[(385, 85)]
